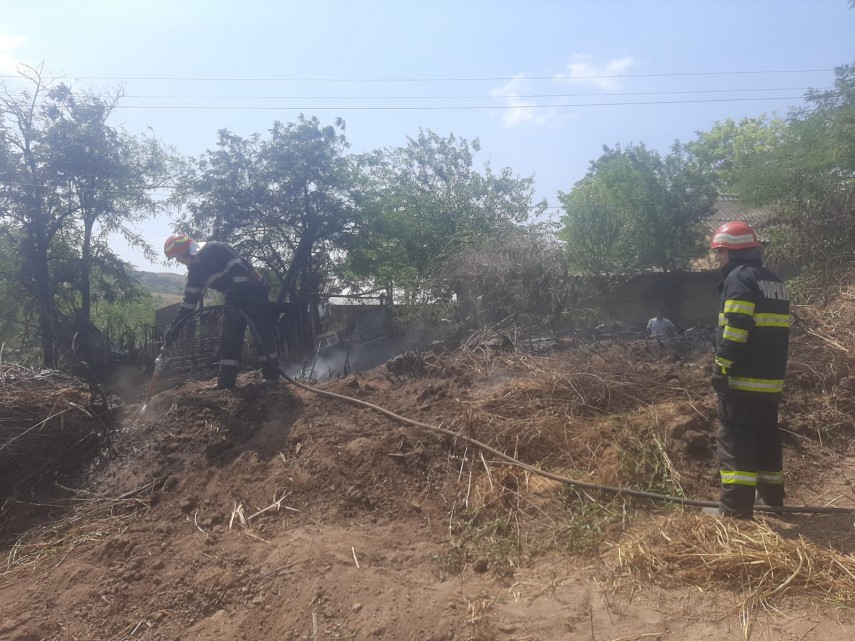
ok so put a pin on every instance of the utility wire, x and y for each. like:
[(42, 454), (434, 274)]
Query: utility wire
[(482, 96), (455, 108), (558, 76)]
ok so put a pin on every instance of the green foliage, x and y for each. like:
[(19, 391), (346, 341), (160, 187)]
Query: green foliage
[(453, 560), (161, 283), (68, 180), (633, 211), (124, 323), (814, 173), (11, 309), (285, 201), (586, 521), (803, 166), (732, 150), (426, 201), (288, 203), (645, 464), (428, 321)]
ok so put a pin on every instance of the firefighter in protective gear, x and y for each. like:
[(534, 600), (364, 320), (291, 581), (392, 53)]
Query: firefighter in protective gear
[(217, 266), (750, 363)]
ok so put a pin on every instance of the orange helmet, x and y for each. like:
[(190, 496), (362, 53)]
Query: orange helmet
[(735, 235), (177, 245)]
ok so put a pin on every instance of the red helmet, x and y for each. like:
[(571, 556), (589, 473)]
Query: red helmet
[(735, 235), (177, 245)]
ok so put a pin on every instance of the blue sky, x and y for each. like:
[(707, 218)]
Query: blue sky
[(543, 84)]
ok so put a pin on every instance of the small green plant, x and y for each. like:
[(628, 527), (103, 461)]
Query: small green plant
[(586, 521), (452, 561), (645, 463)]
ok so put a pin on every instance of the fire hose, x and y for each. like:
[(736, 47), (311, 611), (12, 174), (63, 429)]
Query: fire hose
[(583, 485), (160, 365)]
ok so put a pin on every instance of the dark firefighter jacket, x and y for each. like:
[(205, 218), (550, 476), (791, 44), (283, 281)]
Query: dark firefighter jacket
[(217, 267), (753, 330)]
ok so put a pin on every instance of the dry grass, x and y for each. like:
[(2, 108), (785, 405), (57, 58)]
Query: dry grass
[(46, 424), (750, 557), (585, 415), (823, 341), (606, 424), (88, 518), (602, 413)]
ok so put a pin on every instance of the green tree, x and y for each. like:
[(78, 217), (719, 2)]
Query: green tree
[(735, 150), (288, 201), (67, 180), (812, 178), (635, 210), (426, 201)]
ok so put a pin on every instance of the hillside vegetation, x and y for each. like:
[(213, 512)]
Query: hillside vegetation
[(166, 288)]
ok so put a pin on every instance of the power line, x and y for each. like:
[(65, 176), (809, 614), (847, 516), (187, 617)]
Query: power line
[(482, 96), (559, 76), (453, 108)]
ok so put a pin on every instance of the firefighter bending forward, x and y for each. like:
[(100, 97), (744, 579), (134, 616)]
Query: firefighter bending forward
[(748, 377), (217, 266)]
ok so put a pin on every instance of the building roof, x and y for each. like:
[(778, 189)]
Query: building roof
[(729, 207)]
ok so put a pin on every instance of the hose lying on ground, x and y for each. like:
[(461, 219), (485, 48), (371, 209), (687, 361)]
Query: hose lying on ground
[(618, 491)]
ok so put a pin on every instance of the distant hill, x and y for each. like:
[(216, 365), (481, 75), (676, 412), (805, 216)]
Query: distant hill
[(167, 288)]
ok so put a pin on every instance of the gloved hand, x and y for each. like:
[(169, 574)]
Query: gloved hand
[(720, 382)]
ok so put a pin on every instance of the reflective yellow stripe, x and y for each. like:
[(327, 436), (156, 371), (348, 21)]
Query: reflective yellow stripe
[(770, 478), (737, 477), (722, 320), (772, 320), (739, 307), (723, 362), (769, 386), (212, 278), (735, 334)]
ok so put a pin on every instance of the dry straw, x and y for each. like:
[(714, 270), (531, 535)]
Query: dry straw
[(47, 424), (745, 556), (87, 518)]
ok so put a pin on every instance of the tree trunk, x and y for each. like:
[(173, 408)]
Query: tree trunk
[(302, 255), (39, 279), (85, 272)]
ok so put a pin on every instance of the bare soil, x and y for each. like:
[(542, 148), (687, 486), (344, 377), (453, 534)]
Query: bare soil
[(280, 514)]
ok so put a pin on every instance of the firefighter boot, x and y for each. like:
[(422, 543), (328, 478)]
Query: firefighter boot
[(270, 371), (227, 376)]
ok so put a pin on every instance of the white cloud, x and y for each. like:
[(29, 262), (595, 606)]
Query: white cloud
[(520, 109), (10, 42), (583, 70), (8, 63)]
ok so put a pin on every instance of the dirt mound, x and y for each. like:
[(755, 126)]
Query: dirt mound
[(50, 424), (282, 514)]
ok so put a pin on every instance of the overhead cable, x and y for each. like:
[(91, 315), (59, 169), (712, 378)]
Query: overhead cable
[(557, 76)]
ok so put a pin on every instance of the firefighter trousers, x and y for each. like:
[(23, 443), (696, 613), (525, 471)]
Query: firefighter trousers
[(251, 300), (749, 454)]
